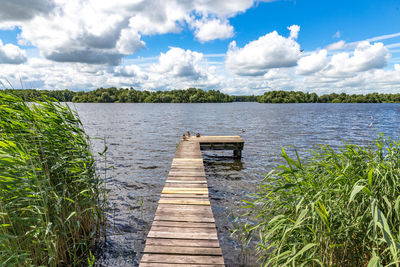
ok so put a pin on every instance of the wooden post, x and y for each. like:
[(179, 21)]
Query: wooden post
[(237, 153)]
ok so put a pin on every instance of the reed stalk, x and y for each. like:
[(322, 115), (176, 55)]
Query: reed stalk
[(50, 195), (337, 208)]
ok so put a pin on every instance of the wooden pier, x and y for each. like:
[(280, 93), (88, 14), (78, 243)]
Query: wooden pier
[(183, 232)]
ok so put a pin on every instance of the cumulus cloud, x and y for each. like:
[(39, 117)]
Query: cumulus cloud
[(11, 54), (294, 31), (365, 57), (129, 42), (312, 63), (208, 30), (179, 63), (179, 69), (222, 8), (375, 80), (129, 71), (90, 56), (22, 10), (80, 30), (257, 57)]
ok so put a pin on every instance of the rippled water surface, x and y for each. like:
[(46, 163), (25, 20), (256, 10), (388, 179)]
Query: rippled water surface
[(142, 139)]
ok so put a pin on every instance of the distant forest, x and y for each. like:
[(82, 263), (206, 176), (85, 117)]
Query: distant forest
[(193, 95)]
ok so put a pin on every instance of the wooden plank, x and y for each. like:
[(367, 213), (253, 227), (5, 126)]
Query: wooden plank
[(182, 170), (158, 264), (183, 190), (187, 164), (187, 167), (185, 156), (187, 189), (184, 213), (185, 185), (182, 242), (187, 182), (184, 218), (183, 224), (187, 202), (175, 212), (187, 160), (178, 208), (177, 229), (184, 196), (182, 259), (182, 250), (187, 174), (181, 207), (181, 235), (187, 178)]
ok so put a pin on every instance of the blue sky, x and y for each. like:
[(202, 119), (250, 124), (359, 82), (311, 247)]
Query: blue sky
[(237, 46), (319, 21)]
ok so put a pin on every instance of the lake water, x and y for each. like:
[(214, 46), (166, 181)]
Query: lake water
[(142, 139)]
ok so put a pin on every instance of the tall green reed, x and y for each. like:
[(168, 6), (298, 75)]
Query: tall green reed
[(335, 209), (50, 196)]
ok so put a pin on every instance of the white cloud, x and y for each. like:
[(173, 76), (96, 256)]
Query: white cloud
[(222, 8), (130, 71), (395, 45), (208, 30), (336, 35), (180, 69), (312, 63), (103, 32), (11, 54), (179, 63), (129, 42), (383, 37), (257, 57), (364, 57), (76, 32), (336, 46), (22, 10), (294, 31)]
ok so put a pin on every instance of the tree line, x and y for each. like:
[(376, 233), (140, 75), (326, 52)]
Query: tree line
[(33, 94), (301, 97), (193, 95), (125, 95)]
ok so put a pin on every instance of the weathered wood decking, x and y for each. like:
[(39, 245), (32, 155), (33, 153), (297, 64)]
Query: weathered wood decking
[(183, 232)]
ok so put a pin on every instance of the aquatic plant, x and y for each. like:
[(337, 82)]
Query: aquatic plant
[(50, 195), (337, 208)]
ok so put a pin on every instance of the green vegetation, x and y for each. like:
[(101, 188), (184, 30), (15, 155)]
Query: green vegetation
[(245, 98), (50, 196), (301, 97), (193, 95), (29, 94), (112, 95), (337, 209)]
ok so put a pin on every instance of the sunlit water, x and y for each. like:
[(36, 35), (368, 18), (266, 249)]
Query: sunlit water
[(142, 139)]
